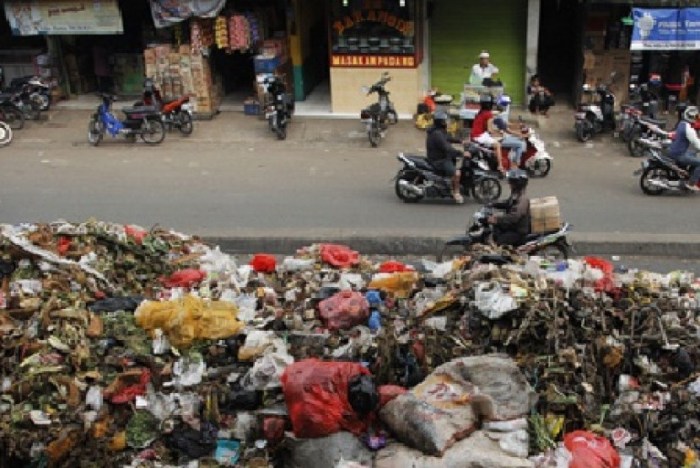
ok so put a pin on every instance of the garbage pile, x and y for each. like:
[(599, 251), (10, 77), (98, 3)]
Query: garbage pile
[(130, 347)]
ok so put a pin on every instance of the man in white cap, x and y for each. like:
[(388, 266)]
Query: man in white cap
[(482, 70)]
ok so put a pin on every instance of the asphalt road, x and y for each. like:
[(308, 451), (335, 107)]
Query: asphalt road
[(232, 177)]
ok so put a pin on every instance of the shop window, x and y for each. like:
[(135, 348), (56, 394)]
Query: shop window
[(374, 27)]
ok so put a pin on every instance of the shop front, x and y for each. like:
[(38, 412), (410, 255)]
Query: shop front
[(368, 37)]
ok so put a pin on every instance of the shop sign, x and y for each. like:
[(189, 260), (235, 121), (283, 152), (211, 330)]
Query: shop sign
[(374, 61), (383, 17), (34, 17), (666, 29), (168, 12)]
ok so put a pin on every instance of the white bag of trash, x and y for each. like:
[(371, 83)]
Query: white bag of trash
[(492, 301)]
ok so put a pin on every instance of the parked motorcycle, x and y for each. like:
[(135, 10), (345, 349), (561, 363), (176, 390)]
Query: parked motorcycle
[(659, 173), (553, 243), (596, 115), (175, 113), (418, 179), (10, 113), (39, 90), (278, 112), (381, 114), (142, 121), (5, 134), (27, 104)]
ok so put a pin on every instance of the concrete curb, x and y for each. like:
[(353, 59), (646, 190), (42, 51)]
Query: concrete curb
[(395, 245)]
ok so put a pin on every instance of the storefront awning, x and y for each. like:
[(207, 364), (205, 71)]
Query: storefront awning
[(666, 29), (168, 12), (54, 17)]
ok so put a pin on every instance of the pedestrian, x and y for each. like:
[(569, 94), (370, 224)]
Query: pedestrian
[(540, 97), (484, 71)]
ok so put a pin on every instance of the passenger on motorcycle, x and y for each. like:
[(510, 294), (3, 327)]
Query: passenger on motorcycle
[(442, 155), (686, 144), (512, 137), (480, 128), (512, 227)]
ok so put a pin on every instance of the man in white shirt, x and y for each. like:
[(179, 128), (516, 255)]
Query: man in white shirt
[(482, 70)]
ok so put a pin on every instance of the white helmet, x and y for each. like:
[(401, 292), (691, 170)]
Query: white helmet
[(691, 113)]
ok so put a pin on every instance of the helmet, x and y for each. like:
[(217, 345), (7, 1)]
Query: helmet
[(485, 99), (503, 101), (149, 85), (517, 178), (440, 119), (691, 113)]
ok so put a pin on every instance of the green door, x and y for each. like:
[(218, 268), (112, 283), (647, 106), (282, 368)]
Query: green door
[(461, 29)]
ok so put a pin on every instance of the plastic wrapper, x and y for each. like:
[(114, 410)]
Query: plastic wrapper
[(399, 285)]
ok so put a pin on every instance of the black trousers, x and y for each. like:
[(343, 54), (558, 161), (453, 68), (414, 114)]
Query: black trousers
[(503, 236)]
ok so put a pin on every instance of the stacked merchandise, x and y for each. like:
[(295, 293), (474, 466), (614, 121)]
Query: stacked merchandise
[(273, 60)]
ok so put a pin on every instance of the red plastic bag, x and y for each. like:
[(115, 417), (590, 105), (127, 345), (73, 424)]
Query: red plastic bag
[(263, 263), (339, 256), (184, 278), (137, 234), (64, 244), (392, 266), (388, 393), (589, 450), (316, 393), (344, 310), (607, 283)]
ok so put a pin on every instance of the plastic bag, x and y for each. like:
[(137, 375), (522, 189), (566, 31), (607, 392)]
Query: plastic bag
[(184, 278), (263, 263), (339, 256), (266, 372), (392, 266), (135, 233), (190, 318), (362, 394), (399, 284), (492, 301), (389, 392), (344, 310), (316, 394), (589, 450), (607, 282)]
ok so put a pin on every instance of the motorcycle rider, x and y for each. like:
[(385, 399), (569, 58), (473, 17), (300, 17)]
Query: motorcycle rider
[(512, 136), (513, 226), (442, 155), (686, 144), (480, 128)]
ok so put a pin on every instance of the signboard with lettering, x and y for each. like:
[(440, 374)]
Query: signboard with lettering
[(374, 61), (666, 29), (35, 17)]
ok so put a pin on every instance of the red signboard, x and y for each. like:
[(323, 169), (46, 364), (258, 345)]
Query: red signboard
[(374, 61)]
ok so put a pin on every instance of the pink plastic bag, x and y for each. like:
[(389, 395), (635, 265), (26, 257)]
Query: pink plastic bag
[(344, 310), (589, 450)]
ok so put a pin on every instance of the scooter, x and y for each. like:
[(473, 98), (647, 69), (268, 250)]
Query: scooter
[(142, 121), (379, 115), (5, 134), (418, 179), (535, 159), (279, 112), (594, 117), (659, 173), (552, 243)]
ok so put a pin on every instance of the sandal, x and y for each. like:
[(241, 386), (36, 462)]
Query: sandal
[(458, 198)]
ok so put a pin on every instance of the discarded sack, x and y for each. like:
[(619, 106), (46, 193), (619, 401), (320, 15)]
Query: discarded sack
[(263, 263), (316, 394), (339, 256), (344, 310)]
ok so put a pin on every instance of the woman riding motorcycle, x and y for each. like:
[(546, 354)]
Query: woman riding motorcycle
[(513, 226)]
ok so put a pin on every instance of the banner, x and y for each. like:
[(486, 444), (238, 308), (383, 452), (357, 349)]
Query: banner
[(666, 29), (169, 12), (34, 17)]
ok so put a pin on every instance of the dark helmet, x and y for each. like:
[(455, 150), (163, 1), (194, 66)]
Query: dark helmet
[(149, 85), (517, 178), (440, 119), (486, 101)]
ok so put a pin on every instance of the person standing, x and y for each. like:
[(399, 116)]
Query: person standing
[(483, 70)]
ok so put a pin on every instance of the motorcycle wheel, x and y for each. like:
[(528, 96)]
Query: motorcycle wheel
[(557, 251), (636, 150), (152, 132), (392, 118), (583, 133), (12, 117), (374, 135), (43, 100), (5, 134), (653, 173), (281, 132), (186, 125), (540, 167), (486, 190), (95, 132), (403, 194)]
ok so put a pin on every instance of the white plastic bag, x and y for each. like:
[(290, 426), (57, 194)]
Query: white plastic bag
[(492, 301)]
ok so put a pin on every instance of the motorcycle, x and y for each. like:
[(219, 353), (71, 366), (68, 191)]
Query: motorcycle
[(5, 134), (279, 112), (143, 121), (175, 113), (10, 113), (27, 104), (595, 117), (379, 115), (659, 173), (552, 243), (642, 129), (535, 159), (39, 90), (418, 179)]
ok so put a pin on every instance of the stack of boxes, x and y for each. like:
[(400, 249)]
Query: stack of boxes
[(599, 64), (178, 72), (544, 215)]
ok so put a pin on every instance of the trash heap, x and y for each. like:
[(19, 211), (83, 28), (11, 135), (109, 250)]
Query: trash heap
[(127, 347)]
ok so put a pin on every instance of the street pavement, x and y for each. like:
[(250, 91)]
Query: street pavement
[(233, 182)]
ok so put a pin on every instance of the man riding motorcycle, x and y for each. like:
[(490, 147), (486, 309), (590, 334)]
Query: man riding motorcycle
[(513, 226), (442, 155), (513, 138), (686, 144)]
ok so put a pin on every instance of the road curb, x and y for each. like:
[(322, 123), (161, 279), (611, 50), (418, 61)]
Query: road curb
[(391, 245)]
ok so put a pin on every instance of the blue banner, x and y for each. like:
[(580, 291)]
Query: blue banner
[(666, 29)]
